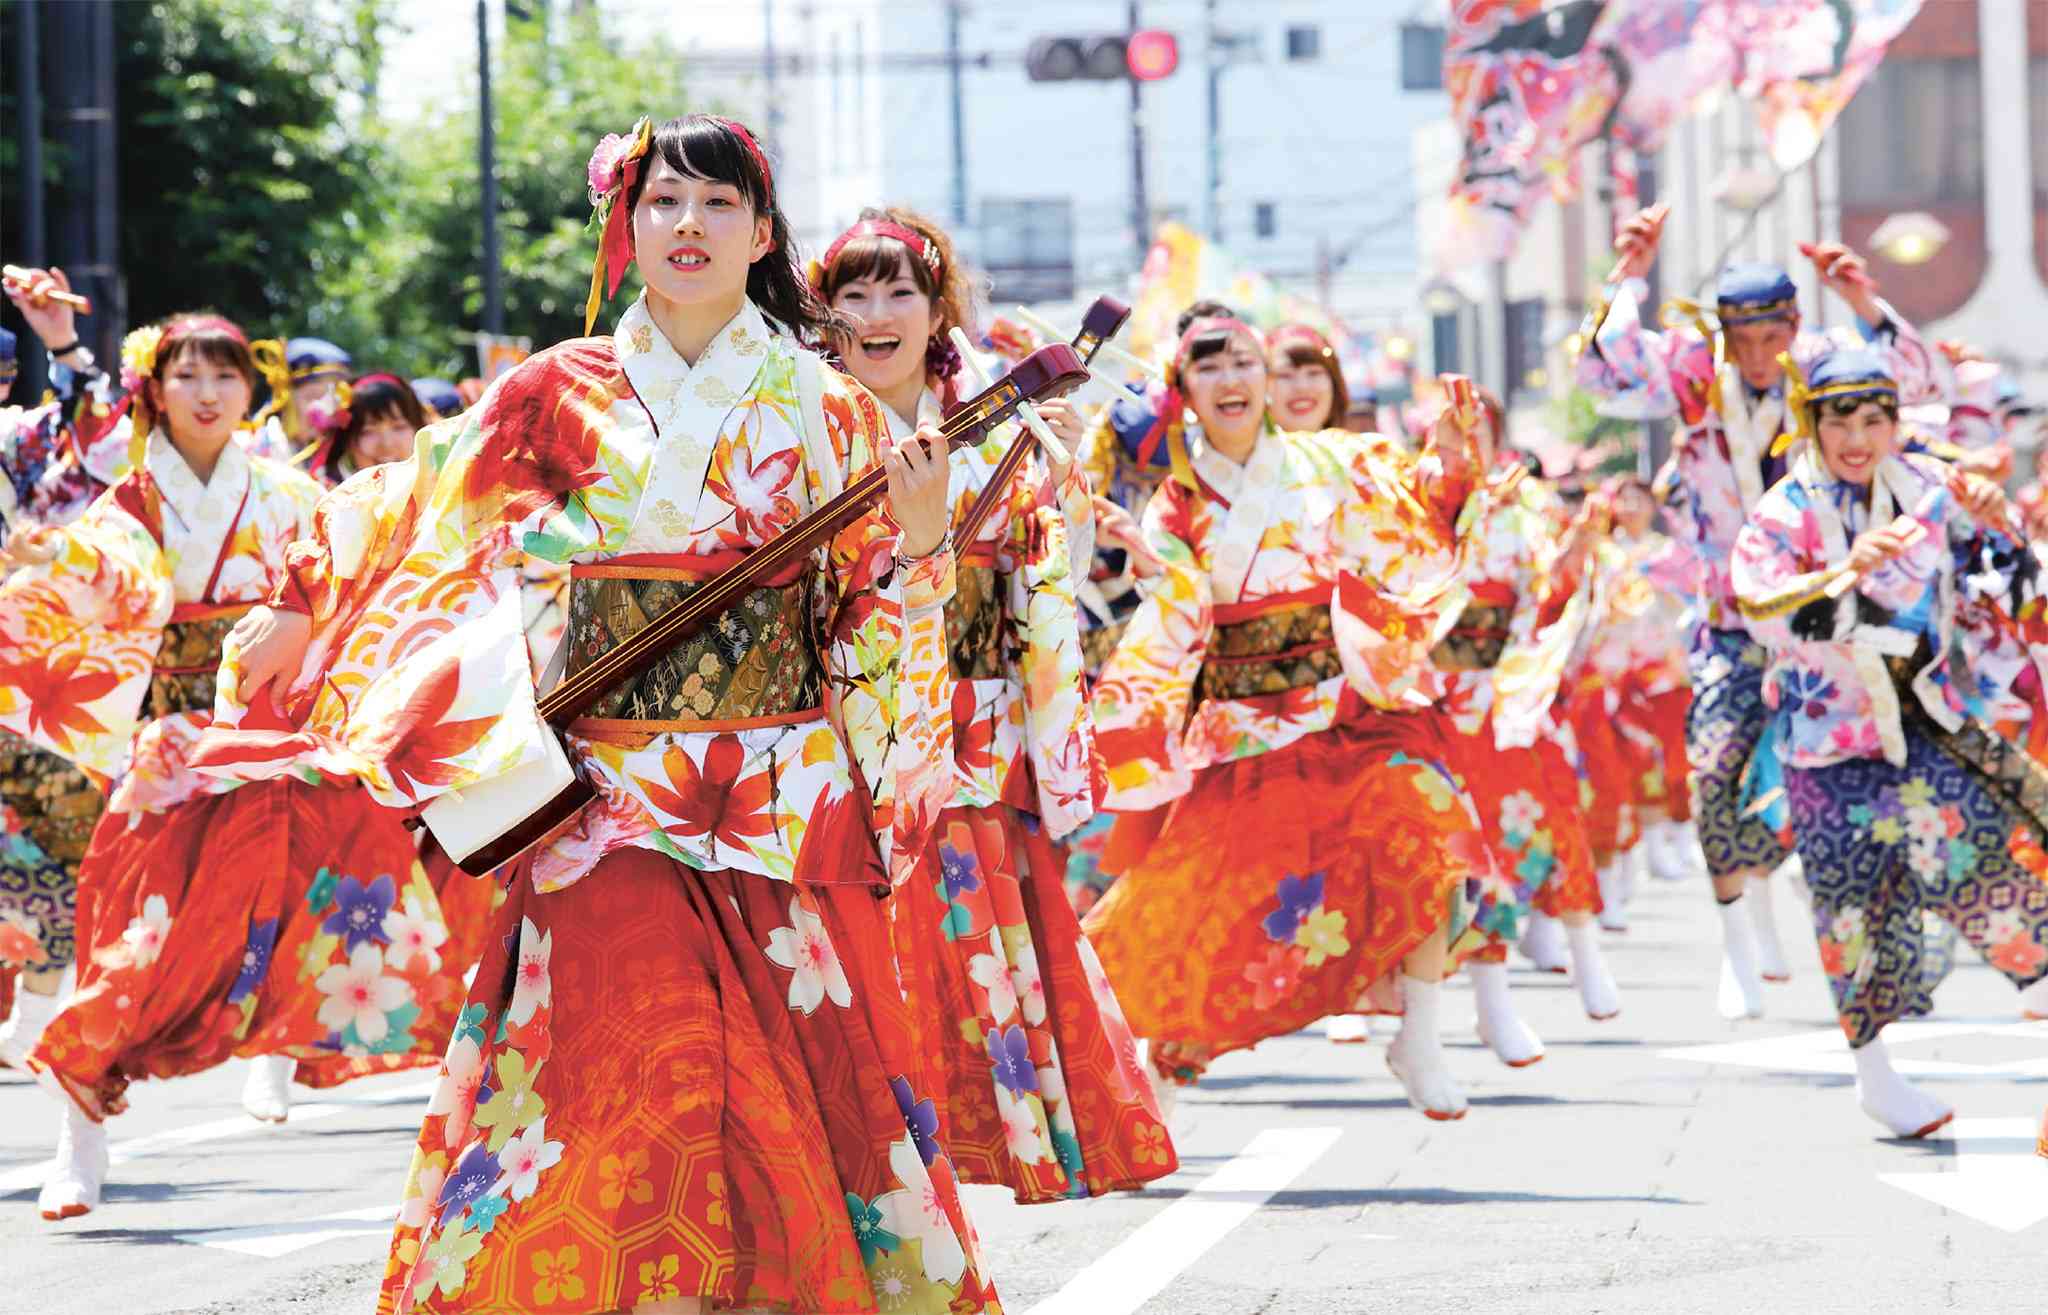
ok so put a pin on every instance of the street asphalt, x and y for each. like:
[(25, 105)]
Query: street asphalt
[(1665, 1161)]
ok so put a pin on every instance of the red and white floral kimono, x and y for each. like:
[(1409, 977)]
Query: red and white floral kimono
[(1504, 663), (677, 1072), (1044, 1093), (1271, 705), (216, 918)]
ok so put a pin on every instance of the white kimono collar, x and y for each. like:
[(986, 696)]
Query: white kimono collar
[(197, 517)]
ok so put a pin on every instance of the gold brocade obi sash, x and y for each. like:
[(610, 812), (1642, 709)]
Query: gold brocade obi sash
[(974, 617), (1481, 634), (1278, 643), (756, 665), (57, 806), (188, 661)]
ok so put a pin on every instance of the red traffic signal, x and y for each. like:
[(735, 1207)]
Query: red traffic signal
[(1146, 56), (1151, 54)]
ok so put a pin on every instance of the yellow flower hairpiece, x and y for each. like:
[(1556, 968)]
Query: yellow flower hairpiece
[(138, 355)]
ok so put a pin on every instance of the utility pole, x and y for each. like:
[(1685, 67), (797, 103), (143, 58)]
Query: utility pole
[(959, 114), (768, 71), (1213, 194), (1141, 210), (28, 57), (487, 165), (87, 221)]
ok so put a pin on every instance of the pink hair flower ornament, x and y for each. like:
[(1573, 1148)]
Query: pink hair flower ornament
[(613, 167)]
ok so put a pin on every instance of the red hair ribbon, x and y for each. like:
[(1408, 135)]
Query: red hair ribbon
[(364, 381), (739, 130), (1297, 332), (920, 246), (182, 325)]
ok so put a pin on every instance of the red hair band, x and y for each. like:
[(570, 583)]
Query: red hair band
[(1201, 328), (739, 130), (187, 324), (364, 381), (920, 246), (1306, 333)]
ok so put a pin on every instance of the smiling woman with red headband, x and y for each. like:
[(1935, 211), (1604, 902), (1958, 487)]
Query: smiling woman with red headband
[(1280, 673), (224, 917), (1305, 386), (1041, 1090), (689, 993)]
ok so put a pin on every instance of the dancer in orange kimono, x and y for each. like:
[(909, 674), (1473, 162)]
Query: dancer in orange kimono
[(1043, 1091), (671, 1088), (1279, 673), (280, 918)]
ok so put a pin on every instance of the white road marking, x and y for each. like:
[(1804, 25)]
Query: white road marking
[(29, 1177), (1998, 1180), (1134, 1270), (1827, 1051), (273, 1240)]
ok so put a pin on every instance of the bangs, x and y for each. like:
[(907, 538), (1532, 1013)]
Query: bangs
[(214, 347), (1212, 343), (697, 147), (1295, 352), (877, 257)]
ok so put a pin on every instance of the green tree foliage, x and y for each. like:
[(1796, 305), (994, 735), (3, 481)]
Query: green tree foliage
[(258, 179), (417, 285)]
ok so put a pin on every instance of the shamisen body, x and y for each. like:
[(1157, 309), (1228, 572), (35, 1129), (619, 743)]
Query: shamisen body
[(706, 936)]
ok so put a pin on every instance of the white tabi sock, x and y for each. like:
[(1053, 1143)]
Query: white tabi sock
[(1741, 993), (1504, 1033), (1763, 911), (1416, 1055), (267, 1095), (1597, 990), (79, 1169), (1543, 944), (1904, 1109)]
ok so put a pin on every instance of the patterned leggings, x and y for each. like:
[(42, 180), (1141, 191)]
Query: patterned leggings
[(1883, 845), (1722, 728)]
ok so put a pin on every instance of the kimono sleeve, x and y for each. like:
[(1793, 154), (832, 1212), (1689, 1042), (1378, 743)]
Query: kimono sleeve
[(884, 650), (1059, 733), (1638, 372), (1146, 689), (416, 679), (79, 635), (1399, 591), (1772, 573)]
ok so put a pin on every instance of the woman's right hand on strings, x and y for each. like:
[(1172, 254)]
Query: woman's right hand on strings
[(271, 647), (54, 322), (919, 484), (1873, 548)]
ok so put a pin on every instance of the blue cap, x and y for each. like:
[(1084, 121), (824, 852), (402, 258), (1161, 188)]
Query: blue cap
[(1850, 372), (1754, 291), (439, 394), (317, 358), (7, 366)]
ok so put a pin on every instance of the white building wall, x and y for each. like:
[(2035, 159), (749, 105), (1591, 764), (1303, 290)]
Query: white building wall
[(1325, 142)]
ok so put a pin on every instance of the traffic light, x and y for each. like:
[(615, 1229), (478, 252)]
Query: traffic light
[(1144, 56)]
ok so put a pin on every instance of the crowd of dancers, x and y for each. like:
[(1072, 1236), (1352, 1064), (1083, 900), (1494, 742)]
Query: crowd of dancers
[(952, 853)]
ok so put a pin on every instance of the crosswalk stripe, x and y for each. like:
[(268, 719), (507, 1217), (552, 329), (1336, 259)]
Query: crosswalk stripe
[(29, 1177), (1133, 1271)]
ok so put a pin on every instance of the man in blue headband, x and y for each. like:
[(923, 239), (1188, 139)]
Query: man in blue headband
[(1723, 383)]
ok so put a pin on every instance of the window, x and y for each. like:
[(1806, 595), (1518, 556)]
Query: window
[(1914, 134), (1422, 57), (1525, 345), (1265, 219), (1443, 344), (1027, 249), (1304, 44)]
